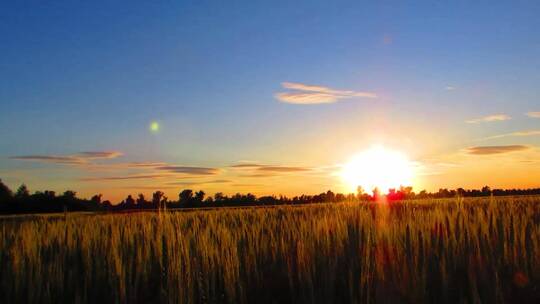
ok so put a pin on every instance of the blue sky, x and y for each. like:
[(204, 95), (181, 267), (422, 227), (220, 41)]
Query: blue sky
[(91, 76)]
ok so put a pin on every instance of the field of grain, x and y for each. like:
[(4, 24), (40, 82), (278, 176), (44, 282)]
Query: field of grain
[(445, 251)]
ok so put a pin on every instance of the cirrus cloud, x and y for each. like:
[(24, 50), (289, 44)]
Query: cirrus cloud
[(240, 166), (99, 154), (490, 150), (282, 169), (489, 118), (260, 170), (158, 172), (189, 170), (514, 134), (533, 114), (315, 94), (126, 177), (270, 168), (72, 159), (189, 183)]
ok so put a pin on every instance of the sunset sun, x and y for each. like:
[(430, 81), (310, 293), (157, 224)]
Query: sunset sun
[(378, 167)]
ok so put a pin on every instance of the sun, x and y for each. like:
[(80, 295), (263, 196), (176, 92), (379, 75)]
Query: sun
[(379, 168)]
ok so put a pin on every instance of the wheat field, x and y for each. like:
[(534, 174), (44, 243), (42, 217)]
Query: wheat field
[(446, 251)]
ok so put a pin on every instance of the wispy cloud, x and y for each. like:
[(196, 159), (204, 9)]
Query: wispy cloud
[(218, 181), (450, 88), (514, 134), (183, 183), (490, 150), (257, 175), (489, 118), (533, 114), (188, 183), (270, 168), (143, 164), (126, 177), (146, 187), (153, 169), (49, 159), (240, 166), (188, 170), (530, 161), (159, 171), (256, 170), (99, 154), (282, 169), (78, 158), (315, 94), (246, 185)]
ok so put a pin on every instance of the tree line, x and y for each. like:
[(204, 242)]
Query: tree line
[(21, 201)]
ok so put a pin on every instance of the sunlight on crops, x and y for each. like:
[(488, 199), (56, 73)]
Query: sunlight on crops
[(459, 250)]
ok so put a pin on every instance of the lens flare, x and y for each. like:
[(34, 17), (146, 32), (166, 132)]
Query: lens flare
[(154, 127)]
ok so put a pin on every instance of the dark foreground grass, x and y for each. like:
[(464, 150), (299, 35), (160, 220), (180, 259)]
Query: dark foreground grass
[(446, 251)]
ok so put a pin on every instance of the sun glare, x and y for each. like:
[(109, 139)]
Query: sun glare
[(378, 168)]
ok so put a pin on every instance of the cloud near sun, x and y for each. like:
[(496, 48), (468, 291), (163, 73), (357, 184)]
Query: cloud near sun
[(260, 170), (514, 134), (313, 94), (489, 118), (490, 150)]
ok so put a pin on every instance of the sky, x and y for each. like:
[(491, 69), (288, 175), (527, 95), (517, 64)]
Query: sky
[(267, 97)]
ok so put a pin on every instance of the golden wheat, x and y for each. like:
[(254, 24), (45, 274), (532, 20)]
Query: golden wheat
[(454, 250)]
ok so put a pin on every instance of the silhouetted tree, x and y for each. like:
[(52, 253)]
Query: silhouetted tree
[(96, 199), (406, 192), (209, 201), (268, 200), (22, 193), (47, 201), (49, 194), (185, 198), (141, 201), (5, 192), (129, 202), (69, 195), (219, 196), (250, 198), (423, 194), (330, 196), (219, 199), (199, 197), (443, 192), (157, 198), (107, 204), (486, 191)]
